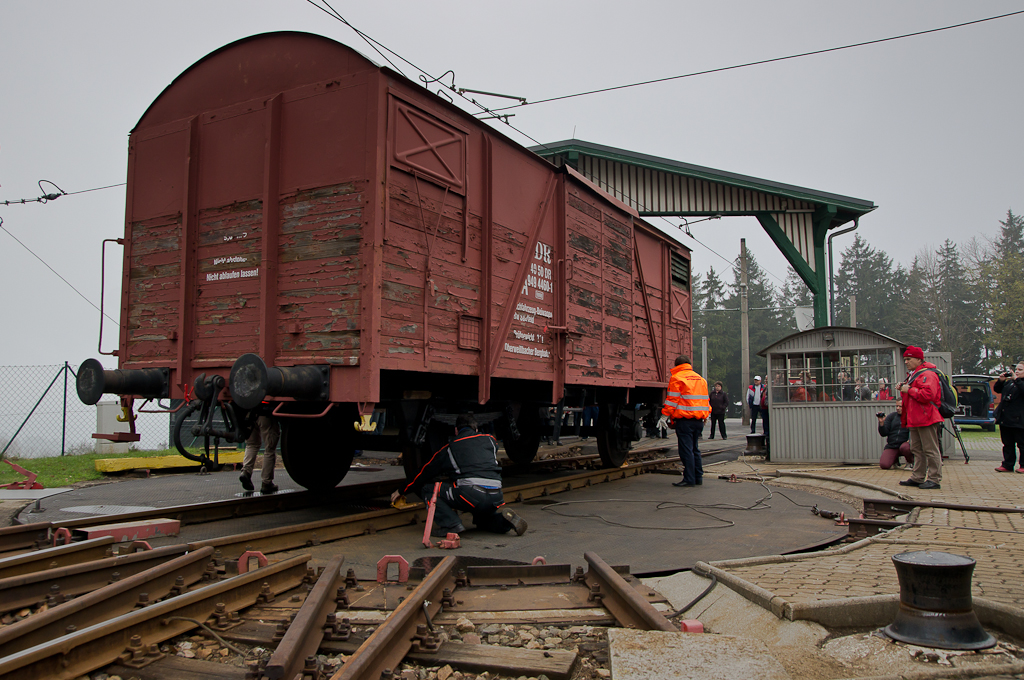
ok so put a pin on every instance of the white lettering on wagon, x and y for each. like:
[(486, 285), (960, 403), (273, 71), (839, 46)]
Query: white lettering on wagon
[(529, 351), (234, 259), (538, 285), (234, 274), (539, 278)]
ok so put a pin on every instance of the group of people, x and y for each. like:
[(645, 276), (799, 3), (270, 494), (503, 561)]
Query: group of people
[(858, 390), (912, 431)]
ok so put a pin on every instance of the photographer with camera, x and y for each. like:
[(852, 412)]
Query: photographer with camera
[(921, 394), (1010, 417), (897, 438)]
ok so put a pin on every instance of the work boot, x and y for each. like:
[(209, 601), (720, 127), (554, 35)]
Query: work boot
[(442, 532), (268, 488), (517, 522), (246, 479)]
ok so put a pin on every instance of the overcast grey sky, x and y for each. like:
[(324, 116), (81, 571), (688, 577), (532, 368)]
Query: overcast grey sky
[(929, 128)]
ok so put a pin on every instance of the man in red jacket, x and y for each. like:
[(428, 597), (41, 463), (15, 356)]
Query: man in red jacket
[(921, 394), (686, 407)]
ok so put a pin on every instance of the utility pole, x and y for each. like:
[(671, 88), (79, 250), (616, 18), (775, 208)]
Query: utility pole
[(744, 331), (853, 311), (704, 357)]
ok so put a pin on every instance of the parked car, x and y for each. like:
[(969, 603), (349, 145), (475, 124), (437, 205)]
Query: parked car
[(976, 401)]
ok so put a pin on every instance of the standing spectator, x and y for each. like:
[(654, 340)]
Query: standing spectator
[(897, 438), (1010, 416), (884, 391), (921, 392), (687, 407), (719, 402), (861, 392), (755, 393), (804, 390), (844, 390), (266, 433)]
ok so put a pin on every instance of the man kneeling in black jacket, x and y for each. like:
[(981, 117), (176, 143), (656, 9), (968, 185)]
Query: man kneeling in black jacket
[(470, 464)]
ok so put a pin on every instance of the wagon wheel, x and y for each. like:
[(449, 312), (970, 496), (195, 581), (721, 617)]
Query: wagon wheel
[(523, 449), (614, 434), (177, 439), (415, 456), (318, 452)]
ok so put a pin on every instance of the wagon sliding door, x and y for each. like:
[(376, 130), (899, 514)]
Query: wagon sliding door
[(599, 291)]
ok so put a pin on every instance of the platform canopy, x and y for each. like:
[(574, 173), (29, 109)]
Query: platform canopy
[(796, 218)]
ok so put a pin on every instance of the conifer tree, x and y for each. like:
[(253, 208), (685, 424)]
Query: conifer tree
[(1007, 294)]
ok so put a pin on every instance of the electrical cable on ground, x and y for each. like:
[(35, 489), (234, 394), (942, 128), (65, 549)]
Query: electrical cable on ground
[(688, 607)]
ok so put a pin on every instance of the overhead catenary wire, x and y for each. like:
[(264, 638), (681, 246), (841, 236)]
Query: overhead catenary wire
[(330, 11), (377, 46), (761, 62), (45, 264)]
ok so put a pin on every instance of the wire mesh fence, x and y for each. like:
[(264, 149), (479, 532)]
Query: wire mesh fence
[(41, 415)]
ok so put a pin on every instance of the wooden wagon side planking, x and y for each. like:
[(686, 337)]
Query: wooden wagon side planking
[(309, 232)]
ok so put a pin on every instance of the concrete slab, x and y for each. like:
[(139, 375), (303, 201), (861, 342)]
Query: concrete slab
[(724, 611), (31, 494), (656, 655)]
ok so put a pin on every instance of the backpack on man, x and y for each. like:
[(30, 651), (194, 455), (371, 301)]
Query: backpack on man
[(947, 405), (949, 402)]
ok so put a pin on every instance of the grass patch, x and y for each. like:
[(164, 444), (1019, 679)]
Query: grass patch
[(974, 433), (67, 470)]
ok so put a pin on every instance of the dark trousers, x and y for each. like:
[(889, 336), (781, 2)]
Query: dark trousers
[(720, 419), (1013, 439), (687, 430), (754, 412), (482, 503)]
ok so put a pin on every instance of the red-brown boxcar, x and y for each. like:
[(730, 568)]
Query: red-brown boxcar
[(309, 232)]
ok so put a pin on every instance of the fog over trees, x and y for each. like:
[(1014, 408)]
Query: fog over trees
[(966, 299)]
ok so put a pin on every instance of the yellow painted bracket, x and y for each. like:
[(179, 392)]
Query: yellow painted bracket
[(364, 424)]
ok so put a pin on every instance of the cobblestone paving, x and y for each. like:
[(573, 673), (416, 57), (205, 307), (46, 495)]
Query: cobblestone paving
[(994, 540)]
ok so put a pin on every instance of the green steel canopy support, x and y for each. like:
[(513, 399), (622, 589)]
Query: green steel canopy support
[(817, 278)]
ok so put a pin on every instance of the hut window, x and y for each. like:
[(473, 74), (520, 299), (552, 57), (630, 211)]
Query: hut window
[(841, 376)]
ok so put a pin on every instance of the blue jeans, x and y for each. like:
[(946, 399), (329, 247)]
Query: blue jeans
[(687, 430)]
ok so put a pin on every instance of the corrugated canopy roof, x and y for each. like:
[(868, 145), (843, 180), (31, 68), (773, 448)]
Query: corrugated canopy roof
[(618, 176)]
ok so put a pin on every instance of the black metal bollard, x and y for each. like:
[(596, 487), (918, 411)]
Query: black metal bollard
[(936, 609)]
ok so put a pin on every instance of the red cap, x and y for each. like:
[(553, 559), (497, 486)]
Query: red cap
[(915, 352)]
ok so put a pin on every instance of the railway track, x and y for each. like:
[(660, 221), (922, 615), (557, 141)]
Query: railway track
[(72, 608)]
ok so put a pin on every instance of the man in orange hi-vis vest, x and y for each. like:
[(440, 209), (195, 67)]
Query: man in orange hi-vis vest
[(686, 409)]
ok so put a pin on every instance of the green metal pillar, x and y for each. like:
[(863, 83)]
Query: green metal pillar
[(816, 278)]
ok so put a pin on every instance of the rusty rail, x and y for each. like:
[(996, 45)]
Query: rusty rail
[(887, 508), (120, 597), (393, 639), (61, 556), (24, 537), (231, 508), (135, 637), (864, 527), (622, 600), (25, 590), (307, 630)]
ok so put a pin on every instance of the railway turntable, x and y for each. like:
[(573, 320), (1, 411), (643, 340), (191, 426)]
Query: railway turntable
[(631, 515)]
